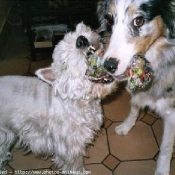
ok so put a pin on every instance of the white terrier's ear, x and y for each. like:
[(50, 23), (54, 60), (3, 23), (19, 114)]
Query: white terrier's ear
[(46, 75), (80, 27)]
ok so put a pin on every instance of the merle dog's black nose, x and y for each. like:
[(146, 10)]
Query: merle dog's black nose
[(82, 42), (111, 65)]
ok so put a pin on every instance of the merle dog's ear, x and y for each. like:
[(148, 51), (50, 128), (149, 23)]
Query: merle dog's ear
[(110, 22), (169, 18), (167, 12), (165, 9), (46, 75), (82, 42)]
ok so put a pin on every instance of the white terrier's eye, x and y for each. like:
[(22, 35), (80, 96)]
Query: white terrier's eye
[(138, 21)]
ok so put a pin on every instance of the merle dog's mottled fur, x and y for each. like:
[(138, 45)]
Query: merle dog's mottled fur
[(163, 8), (145, 27), (105, 16)]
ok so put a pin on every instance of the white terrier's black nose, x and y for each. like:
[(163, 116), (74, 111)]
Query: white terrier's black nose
[(111, 65), (82, 42)]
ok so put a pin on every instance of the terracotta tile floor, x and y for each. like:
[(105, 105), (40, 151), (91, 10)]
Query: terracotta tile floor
[(134, 154)]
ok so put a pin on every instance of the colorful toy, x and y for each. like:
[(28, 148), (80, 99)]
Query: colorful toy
[(96, 72), (139, 74)]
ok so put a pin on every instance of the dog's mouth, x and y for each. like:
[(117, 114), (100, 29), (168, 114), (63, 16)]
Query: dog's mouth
[(95, 71)]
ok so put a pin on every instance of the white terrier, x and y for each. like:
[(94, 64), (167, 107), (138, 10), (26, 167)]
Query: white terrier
[(58, 117)]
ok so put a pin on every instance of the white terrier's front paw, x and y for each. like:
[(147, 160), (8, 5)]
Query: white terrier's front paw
[(122, 129)]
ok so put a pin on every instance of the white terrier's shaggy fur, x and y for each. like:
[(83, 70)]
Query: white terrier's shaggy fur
[(58, 117), (146, 27)]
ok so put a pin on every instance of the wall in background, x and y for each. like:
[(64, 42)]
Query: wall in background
[(5, 6)]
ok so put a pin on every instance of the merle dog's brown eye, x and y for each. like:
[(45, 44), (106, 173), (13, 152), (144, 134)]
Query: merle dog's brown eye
[(138, 21)]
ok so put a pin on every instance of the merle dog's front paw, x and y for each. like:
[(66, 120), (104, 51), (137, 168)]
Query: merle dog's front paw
[(122, 129)]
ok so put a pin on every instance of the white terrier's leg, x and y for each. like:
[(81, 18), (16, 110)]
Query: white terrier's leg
[(6, 140), (70, 163), (166, 149), (129, 122)]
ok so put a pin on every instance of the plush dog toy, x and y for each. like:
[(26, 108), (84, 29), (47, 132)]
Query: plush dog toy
[(139, 74), (96, 72)]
